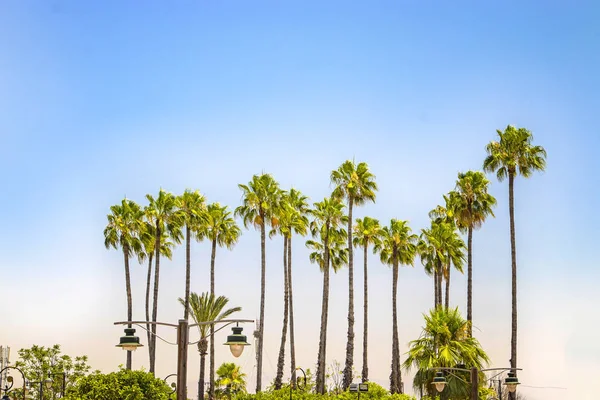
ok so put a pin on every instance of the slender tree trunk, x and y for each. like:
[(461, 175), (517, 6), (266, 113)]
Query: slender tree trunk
[(261, 324), (129, 301), (281, 357), (435, 291), (202, 346), (347, 373), (211, 367), (186, 299), (290, 287), (155, 297), (513, 248), (447, 299), (148, 282), (320, 376), (470, 279), (365, 366), (395, 377), (439, 284)]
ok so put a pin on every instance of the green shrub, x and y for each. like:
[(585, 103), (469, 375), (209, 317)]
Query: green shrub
[(376, 392)]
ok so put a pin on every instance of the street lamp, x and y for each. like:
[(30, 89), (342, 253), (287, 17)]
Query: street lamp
[(440, 382), (511, 382), (129, 342), (236, 341), (10, 380), (45, 383)]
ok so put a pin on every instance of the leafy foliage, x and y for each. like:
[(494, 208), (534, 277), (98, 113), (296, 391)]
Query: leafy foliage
[(375, 392)]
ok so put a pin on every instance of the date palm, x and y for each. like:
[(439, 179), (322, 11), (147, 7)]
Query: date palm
[(259, 205), (205, 308), (366, 232), (124, 224), (471, 204), (191, 205), (513, 153), (355, 183), (327, 216), (398, 246), (220, 228), (163, 213)]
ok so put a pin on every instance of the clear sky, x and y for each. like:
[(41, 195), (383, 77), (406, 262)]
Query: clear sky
[(105, 99)]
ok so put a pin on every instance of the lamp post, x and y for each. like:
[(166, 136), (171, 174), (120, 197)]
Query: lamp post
[(10, 380), (47, 383), (236, 342), (293, 383), (63, 384), (510, 382)]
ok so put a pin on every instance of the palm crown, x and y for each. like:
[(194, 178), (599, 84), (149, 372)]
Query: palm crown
[(354, 181), (208, 307), (261, 199), (124, 226), (219, 225), (398, 243)]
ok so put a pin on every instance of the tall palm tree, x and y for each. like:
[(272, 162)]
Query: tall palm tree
[(205, 308), (165, 218), (121, 231), (259, 205), (221, 229), (471, 204), (367, 232), (398, 245), (444, 342), (355, 183), (191, 206), (513, 153), (299, 226), (327, 215)]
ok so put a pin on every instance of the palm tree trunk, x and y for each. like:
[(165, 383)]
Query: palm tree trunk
[(347, 373), (292, 343), (435, 291), (202, 345), (447, 299), (129, 301), (186, 299), (211, 367), (155, 297), (365, 366), (395, 378), (261, 323), (148, 281), (513, 248), (439, 285), (320, 378), (470, 279), (281, 358)]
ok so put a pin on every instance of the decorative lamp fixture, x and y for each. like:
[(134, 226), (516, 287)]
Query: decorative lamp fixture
[(48, 383), (236, 341), (439, 381), (129, 342), (511, 382)]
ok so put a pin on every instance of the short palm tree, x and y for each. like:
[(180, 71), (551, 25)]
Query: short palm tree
[(366, 233), (220, 228), (327, 215), (124, 224), (355, 183), (444, 342), (259, 206), (163, 214), (206, 308), (514, 153), (231, 379), (398, 246)]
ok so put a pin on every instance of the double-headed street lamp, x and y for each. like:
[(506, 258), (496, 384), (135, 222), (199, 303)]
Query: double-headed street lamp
[(511, 382), (236, 342)]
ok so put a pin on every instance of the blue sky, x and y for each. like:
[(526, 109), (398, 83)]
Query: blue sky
[(102, 100)]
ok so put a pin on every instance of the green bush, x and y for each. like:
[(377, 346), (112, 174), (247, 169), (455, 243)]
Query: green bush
[(375, 392), (122, 385)]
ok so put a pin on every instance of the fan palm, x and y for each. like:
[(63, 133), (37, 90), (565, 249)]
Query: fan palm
[(165, 217), (327, 215), (191, 207), (124, 224), (398, 245), (221, 229), (355, 183), (206, 308), (366, 233), (259, 205), (514, 153), (444, 342)]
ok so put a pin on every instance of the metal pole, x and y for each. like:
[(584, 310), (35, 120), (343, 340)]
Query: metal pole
[(474, 384), (182, 347)]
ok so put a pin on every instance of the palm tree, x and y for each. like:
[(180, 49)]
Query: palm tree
[(367, 233), (514, 153), (221, 229), (355, 183), (191, 205), (398, 245), (327, 217), (165, 218), (260, 202), (122, 230), (299, 225), (444, 342), (472, 204), (231, 378), (206, 308)]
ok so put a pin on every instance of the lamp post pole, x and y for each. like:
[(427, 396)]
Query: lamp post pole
[(7, 388)]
